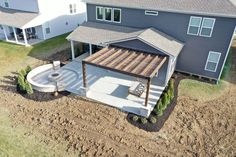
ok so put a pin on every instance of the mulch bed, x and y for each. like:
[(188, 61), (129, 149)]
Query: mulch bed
[(160, 120)]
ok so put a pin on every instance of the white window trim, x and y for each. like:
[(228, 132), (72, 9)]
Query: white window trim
[(103, 14), (199, 27), (113, 15), (47, 25), (151, 13), (210, 52), (212, 28), (6, 1)]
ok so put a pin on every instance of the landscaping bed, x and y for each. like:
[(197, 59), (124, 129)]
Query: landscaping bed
[(24, 88), (161, 112)]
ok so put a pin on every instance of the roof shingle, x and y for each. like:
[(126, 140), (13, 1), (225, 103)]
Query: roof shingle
[(202, 7)]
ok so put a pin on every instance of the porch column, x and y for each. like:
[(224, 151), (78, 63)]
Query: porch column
[(72, 50), (90, 49), (168, 71), (25, 38), (84, 74), (14, 31), (147, 92), (5, 33)]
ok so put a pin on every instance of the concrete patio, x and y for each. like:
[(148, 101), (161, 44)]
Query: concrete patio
[(106, 86), (111, 88)]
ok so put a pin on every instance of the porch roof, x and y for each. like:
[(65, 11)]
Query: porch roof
[(15, 18), (105, 34), (134, 63)]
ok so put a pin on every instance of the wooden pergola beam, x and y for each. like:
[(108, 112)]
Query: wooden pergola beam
[(119, 59), (149, 65), (99, 53), (103, 56), (110, 58), (125, 61), (133, 62), (84, 74), (141, 66), (147, 91)]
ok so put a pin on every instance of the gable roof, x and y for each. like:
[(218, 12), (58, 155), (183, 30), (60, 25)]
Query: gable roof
[(105, 34), (15, 18), (225, 8)]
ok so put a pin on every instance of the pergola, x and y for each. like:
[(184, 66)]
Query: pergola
[(134, 63)]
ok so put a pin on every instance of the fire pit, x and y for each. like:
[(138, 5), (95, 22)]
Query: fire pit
[(54, 76)]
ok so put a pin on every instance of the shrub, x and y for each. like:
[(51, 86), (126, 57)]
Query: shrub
[(153, 120), (171, 84), (165, 101), (28, 88), (144, 120), (22, 72), (135, 118), (160, 113), (28, 69), (21, 82)]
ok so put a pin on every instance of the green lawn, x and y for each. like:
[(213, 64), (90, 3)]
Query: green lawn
[(202, 91), (15, 55)]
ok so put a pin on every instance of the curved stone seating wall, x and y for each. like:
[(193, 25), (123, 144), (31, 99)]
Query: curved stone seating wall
[(37, 86)]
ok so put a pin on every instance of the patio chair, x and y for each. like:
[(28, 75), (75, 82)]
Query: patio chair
[(56, 65), (137, 88)]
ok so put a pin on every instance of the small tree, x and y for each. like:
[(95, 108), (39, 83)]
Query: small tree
[(165, 101), (21, 82), (160, 113), (135, 118), (169, 93), (153, 119), (23, 72), (144, 120), (171, 84), (28, 88), (28, 69)]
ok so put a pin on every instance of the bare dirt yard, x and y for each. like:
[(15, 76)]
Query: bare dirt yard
[(73, 126)]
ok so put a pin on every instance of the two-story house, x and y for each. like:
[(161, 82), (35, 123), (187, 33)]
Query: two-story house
[(31, 21), (195, 35)]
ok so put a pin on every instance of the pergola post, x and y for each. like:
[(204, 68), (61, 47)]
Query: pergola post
[(14, 31), (147, 92), (84, 74), (90, 49), (72, 50), (25, 38), (5, 33)]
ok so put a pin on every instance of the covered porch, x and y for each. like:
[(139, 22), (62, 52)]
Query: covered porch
[(16, 27)]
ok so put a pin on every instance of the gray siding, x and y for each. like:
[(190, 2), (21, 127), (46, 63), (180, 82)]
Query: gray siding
[(138, 45), (194, 55)]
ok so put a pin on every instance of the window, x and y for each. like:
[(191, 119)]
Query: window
[(117, 15), (150, 12), (108, 14), (6, 3), (207, 27), (212, 61), (47, 28), (1, 27), (73, 9), (99, 13), (194, 25)]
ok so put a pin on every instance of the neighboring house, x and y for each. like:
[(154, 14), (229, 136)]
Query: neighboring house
[(195, 35), (31, 21)]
